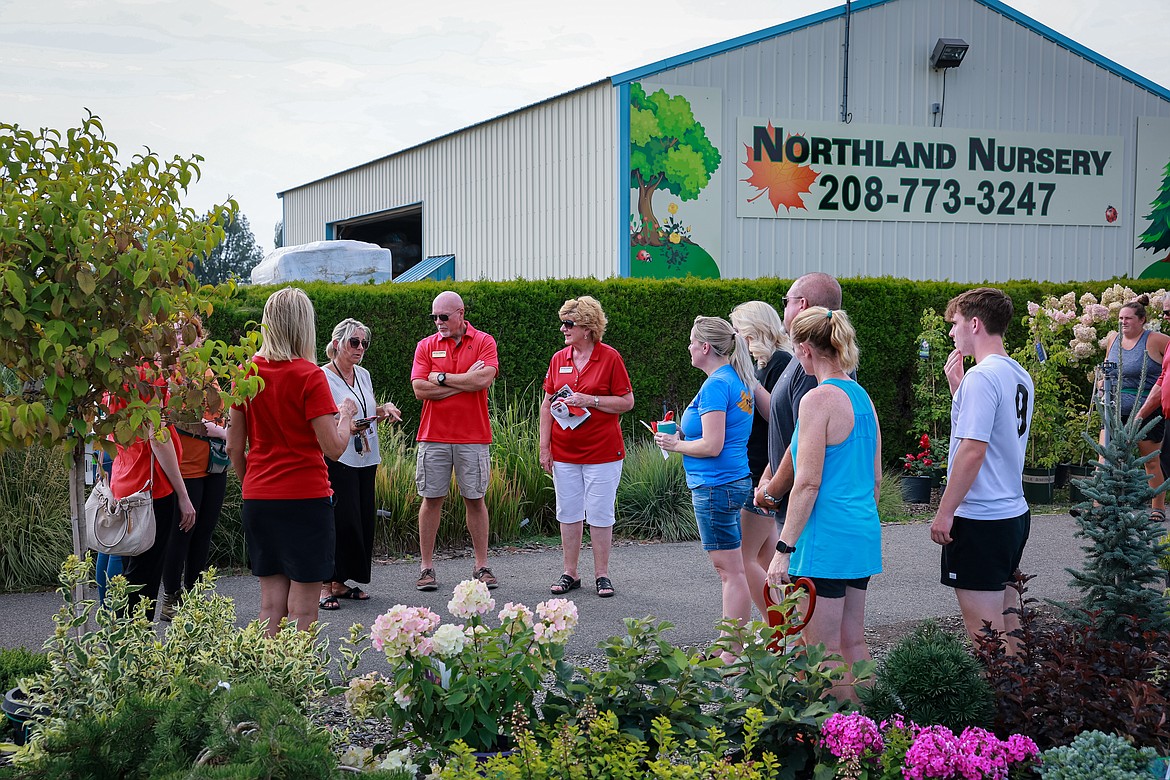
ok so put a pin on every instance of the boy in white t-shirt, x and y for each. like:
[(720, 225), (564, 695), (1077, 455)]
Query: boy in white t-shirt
[(983, 520)]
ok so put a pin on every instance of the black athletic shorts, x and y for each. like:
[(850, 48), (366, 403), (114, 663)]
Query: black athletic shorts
[(984, 554), (828, 588)]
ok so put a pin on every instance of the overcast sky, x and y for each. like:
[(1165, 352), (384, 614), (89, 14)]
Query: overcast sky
[(275, 94)]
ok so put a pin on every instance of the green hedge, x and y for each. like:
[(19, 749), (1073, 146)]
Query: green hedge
[(649, 323)]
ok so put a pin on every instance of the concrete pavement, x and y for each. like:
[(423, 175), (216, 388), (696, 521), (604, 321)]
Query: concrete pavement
[(673, 582)]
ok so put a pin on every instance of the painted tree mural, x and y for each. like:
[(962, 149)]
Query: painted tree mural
[(1157, 235), (669, 150)]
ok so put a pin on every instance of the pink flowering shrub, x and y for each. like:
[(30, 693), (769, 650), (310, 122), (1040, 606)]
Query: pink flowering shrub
[(854, 747), (457, 681)]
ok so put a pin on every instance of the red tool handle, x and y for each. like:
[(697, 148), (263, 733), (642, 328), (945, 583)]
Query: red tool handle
[(781, 619)]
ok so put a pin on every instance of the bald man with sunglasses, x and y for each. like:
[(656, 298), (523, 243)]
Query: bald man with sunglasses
[(453, 369)]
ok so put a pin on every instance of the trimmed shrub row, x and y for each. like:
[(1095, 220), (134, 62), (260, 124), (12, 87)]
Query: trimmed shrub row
[(649, 323)]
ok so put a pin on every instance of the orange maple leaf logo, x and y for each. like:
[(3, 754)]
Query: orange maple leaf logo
[(784, 181)]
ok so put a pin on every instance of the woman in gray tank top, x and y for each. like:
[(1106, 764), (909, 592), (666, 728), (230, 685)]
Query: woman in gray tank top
[(1138, 354)]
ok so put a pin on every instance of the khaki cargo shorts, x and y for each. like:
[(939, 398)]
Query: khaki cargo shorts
[(435, 461)]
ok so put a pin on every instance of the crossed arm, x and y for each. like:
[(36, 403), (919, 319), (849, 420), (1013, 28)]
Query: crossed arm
[(478, 377)]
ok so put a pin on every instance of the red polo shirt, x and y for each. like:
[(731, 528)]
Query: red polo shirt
[(284, 456), (598, 439), (462, 418), (1161, 384), (131, 471)]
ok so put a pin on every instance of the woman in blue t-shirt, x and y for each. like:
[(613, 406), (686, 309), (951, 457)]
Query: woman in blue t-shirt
[(713, 443), (831, 533)]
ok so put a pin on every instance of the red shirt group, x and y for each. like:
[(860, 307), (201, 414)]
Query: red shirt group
[(599, 438), (462, 418), (284, 457)]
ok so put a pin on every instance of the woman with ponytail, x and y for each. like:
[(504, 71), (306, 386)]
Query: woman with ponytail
[(713, 442), (832, 472)]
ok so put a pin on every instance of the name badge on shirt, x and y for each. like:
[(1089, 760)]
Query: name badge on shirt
[(439, 353), (566, 369)]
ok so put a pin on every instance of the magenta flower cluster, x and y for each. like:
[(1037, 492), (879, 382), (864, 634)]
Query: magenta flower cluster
[(934, 752)]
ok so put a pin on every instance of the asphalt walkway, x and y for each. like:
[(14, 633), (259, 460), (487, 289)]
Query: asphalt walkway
[(673, 582)]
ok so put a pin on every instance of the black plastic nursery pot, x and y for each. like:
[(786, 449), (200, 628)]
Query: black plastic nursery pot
[(1038, 485), (916, 490), (1077, 472), (18, 713)]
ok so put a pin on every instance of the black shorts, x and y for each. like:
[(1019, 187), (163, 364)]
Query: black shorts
[(828, 588), (984, 554), (293, 537)]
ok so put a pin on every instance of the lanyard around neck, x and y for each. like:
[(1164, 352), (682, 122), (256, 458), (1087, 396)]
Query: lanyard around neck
[(356, 394)]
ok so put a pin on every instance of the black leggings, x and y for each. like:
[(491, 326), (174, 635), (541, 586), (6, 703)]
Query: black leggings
[(146, 569), (186, 556)]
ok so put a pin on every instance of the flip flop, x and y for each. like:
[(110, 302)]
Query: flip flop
[(564, 585), (355, 593), (329, 603)]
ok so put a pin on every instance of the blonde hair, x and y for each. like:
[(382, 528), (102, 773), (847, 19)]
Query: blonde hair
[(342, 331), (830, 332), (760, 322), (288, 327), (727, 343), (586, 312)]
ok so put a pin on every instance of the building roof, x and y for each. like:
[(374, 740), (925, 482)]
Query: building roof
[(439, 267), (861, 5)]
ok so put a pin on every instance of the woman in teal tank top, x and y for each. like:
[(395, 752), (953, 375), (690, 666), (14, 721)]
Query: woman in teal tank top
[(832, 534)]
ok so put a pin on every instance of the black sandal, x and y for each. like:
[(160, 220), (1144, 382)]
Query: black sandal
[(329, 603), (604, 588), (1158, 514), (564, 585)]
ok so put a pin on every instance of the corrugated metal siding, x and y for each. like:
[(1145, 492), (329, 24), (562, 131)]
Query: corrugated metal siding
[(530, 194), (1012, 79)]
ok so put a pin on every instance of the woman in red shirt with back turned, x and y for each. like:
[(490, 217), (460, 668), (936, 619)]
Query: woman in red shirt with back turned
[(586, 390), (288, 507)]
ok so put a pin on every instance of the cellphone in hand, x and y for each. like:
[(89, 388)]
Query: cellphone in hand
[(365, 422)]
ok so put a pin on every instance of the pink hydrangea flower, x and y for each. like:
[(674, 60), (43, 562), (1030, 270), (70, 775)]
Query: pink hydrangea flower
[(402, 629), (558, 619), (517, 612), (471, 599), (852, 736)]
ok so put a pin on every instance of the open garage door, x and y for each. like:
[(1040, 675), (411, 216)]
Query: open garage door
[(399, 230)]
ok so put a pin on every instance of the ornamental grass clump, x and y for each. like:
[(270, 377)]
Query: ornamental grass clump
[(458, 681), (853, 746)]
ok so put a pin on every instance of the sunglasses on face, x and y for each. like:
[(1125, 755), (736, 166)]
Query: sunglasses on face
[(439, 317), (568, 324), (787, 298), (355, 342)]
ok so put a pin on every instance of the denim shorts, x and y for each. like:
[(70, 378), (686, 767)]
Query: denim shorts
[(717, 513)]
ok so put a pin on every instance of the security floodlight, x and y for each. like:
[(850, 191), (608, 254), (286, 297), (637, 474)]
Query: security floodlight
[(948, 53)]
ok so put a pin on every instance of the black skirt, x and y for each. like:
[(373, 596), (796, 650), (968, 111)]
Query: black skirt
[(353, 516), (293, 537)]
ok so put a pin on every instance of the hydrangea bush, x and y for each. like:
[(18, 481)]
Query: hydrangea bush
[(855, 747), (458, 681)]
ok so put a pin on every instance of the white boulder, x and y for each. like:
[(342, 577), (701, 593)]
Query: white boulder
[(346, 262)]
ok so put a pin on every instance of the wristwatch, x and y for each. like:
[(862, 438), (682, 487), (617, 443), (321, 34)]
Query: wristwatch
[(441, 378), (770, 498), (781, 547)]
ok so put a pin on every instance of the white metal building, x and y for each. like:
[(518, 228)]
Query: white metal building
[(836, 142)]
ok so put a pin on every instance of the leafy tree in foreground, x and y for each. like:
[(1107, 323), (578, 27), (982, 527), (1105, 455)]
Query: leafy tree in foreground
[(233, 258), (96, 289)]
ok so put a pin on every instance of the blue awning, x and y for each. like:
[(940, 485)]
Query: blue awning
[(439, 268)]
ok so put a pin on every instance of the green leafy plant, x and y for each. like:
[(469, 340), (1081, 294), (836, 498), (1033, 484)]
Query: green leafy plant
[(931, 679), (458, 681), (1068, 677), (16, 663), (921, 463), (1093, 755), (95, 254), (90, 671), (932, 394), (592, 747), (34, 517)]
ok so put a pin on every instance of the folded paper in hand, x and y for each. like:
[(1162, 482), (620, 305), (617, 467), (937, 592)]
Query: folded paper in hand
[(567, 416)]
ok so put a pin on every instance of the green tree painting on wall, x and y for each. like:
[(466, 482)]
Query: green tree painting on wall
[(669, 151), (1157, 235)]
